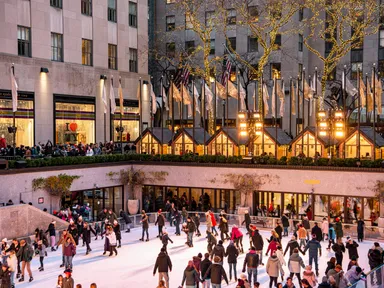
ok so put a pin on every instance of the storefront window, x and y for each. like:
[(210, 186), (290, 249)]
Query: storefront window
[(75, 123), (208, 199), (351, 147), (196, 195), (290, 204), (24, 120), (89, 214), (321, 207), (118, 198), (371, 210), (108, 198), (309, 146), (149, 145), (354, 209), (220, 144), (148, 198), (304, 201), (97, 203), (269, 145), (179, 144), (337, 207), (130, 122)]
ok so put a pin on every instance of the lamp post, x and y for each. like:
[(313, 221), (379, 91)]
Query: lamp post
[(250, 124)]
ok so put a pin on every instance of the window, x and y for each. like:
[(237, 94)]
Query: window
[(190, 47), (231, 43), (188, 22), (252, 72), (132, 14), (24, 41), (132, 60), (381, 54), (300, 70), (57, 47), (253, 45), (356, 66), (276, 70), (356, 62), (277, 42), (112, 15), (300, 43), (170, 1), (56, 3), (381, 12), (231, 17), (209, 18), (112, 56), (86, 49), (171, 49), (170, 23), (301, 14), (213, 48), (381, 38), (253, 13), (86, 7)]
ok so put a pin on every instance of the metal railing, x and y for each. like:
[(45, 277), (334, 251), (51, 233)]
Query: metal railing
[(373, 279)]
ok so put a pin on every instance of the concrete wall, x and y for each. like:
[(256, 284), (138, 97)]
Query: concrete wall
[(22, 220)]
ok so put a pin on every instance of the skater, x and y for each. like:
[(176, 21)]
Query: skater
[(272, 247), (145, 225), (25, 253), (12, 264), (316, 230), (247, 221), (216, 272), (339, 249), (285, 222), (98, 230), (164, 265), (331, 264), (251, 262), (257, 242), (338, 228), (314, 252), (15, 247), (307, 226), (295, 263), (279, 231), (214, 223), (360, 230), (351, 246), (331, 236), (112, 240), (280, 255), (116, 229), (72, 229), (62, 241), (164, 239), (302, 235), (80, 229), (177, 218), (42, 250), (375, 256), (127, 220), (69, 252), (212, 242), (273, 269), (352, 263), (204, 265), (218, 251), (223, 226), (292, 245), (106, 241), (190, 276), (87, 236), (232, 253), (208, 221), (160, 221), (5, 276), (310, 276), (196, 220), (354, 274), (68, 281), (52, 234), (237, 237), (190, 230), (325, 228)]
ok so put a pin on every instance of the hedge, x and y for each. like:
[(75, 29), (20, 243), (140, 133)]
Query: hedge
[(265, 160)]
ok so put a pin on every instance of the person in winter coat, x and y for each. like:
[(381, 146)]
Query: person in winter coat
[(52, 234), (339, 249), (15, 246), (257, 242), (197, 262), (111, 216), (375, 256), (251, 262), (68, 281), (314, 248), (232, 253), (217, 272), (164, 239), (42, 250), (316, 230), (204, 265), (164, 265), (212, 242), (274, 269), (279, 230), (335, 274), (310, 276), (331, 264), (295, 263), (360, 230), (243, 282), (302, 235), (160, 221), (5, 276), (307, 226), (305, 283), (145, 225), (87, 229), (338, 228), (237, 237), (354, 274), (352, 263), (4, 248), (280, 255), (292, 245), (116, 229), (127, 220), (351, 246), (214, 223), (325, 228), (272, 247), (208, 222), (190, 230), (196, 220), (80, 227), (223, 226), (12, 264), (177, 218), (218, 251), (111, 235), (324, 283), (72, 229), (285, 222), (331, 236), (288, 284), (69, 251), (63, 239), (190, 276), (25, 254), (247, 220)]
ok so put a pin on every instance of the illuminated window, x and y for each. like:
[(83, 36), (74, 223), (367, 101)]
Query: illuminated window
[(86, 50), (129, 121), (276, 70), (112, 56)]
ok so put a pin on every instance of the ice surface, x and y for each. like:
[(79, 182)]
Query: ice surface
[(133, 267)]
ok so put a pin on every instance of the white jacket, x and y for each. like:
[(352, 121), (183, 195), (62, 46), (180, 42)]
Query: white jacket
[(325, 227), (280, 255), (12, 263), (112, 239), (89, 152)]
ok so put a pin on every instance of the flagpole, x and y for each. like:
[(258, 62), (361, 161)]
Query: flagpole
[(303, 107), (366, 98), (161, 116), (290, 106), (298, 105), (105, 115), (214, 115), (254, 98), (193, 115), (141, 116), (358, 114), (283, 100), (316, 132), (238, 107), (344, 108), (309, 106), (182, 116), (14, 119), (110, 107), (275, 117), (262, 113), (227, 104), (173, 116), (203, 111), (374, 110), (152, 118), (121, 122)]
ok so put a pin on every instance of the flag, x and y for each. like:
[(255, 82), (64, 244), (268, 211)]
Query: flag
[(121, 99), (273, 99), (265, 99), (281, 94), (369, 99), (347, 86), (208, 98), (165, 100), (189, 110), (307, 90), (232, 90), (378, 93), (186, 97), (242, 98), (293, 100), (104, 98), (185, 76), (14, 91), (226, 72), (221, 91), (153, 101), (182, 77), (112, 98), (196, 95), (176, 93), (362, 92)]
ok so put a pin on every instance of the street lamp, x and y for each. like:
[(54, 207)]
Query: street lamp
[(251, 124)]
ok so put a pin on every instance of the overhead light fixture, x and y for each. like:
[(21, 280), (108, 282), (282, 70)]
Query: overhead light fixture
[(145, 82), (103, 77), (44, 70)]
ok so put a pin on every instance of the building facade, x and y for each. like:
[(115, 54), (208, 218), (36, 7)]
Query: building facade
[(64, 54)]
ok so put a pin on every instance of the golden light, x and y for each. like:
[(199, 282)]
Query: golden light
[(212, 79), (321, 114), (256, 115), (339, 134), (259, 125), (339, 114), (243, 133), (258, 132), (339, 124), (243, 125), (323, 133), (323, 124), (241, 115)]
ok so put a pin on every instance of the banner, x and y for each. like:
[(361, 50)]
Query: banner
[(112, 98), (208, 98), (165, 100), (293, 100), (104, 98), (265, 99), (14, 91), (196, 95), (153, 101), (121, 99)]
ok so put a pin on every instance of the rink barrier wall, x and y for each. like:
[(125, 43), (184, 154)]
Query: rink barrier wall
[(374, 279)]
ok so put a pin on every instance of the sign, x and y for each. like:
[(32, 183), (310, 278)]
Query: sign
[(311, 182), (40, 200)]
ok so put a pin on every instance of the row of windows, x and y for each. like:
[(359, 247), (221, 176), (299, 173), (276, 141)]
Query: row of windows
[(86, 9), (24, 49)]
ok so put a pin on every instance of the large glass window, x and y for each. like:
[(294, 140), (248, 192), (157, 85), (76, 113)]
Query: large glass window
[(354, 209), (112, 14), (188, 145), (221, 144), (86, 50), (253, 45), (24, 41), (351, 147), (56, 47), (149, 145), (337, 207), (321, 207), (308, 146), (112, 56), (130, 122), (132, 60), (75, 123), (208, 199), (133, 14), (24, 119), (371, 210), (269, 145), (86, 7)]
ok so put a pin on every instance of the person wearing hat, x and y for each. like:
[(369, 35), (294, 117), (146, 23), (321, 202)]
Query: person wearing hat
[(68, 281), (161, 222), (292, 245), (351, 246), (52, 234), (217, 272), (116, 229), (25, 253), (42, 250), (314, 248), (339, 249), (5, 276)]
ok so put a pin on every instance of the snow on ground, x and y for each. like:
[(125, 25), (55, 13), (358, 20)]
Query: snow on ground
[(133, 267)]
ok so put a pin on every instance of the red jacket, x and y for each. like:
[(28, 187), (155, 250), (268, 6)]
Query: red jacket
[(272, 247), (236, 233), (3, 143), (214, 223)]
